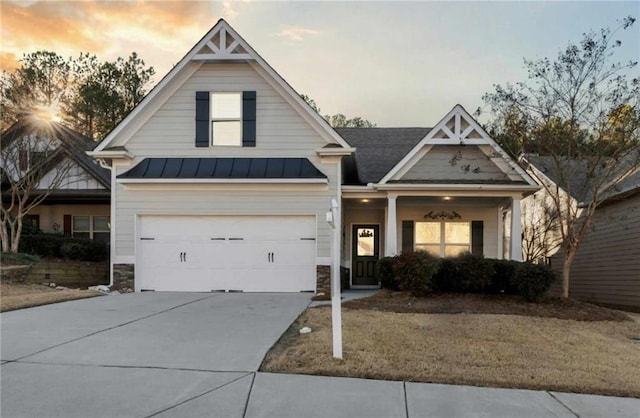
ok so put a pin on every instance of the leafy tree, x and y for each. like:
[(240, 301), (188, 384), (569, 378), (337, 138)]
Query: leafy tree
[(25, 161), (91, 95), (339, 120), (571, 110), (41, 82)]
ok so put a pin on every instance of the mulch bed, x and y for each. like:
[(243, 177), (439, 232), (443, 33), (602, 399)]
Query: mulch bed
[(402, 302)]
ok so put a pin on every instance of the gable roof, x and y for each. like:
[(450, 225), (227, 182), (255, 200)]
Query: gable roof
[(73, 144), (578, 185), (222, 43), (377, 151), (459, 128)]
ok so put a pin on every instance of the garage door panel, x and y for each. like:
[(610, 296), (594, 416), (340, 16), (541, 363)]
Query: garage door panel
[(205, 253)]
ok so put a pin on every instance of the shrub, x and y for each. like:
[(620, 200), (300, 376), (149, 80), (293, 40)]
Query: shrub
[(503, 279), (18, 259), (43, 245), (384, 273), (447, 278), (59, 246), (465, 273), (476, 273), (414, 270), (533, 280)]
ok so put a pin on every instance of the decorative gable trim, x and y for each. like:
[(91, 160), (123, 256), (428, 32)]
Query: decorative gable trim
[(459, 128), (221, 43)]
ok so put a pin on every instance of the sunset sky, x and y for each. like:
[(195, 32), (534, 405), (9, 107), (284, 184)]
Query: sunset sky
[(396, 64)]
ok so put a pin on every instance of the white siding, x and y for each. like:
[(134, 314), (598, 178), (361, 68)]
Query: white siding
[(75, 178), (280, 130), (444, 162), (170, 132)]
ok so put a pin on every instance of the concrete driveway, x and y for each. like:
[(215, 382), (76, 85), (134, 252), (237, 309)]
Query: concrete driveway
[(136, 354), (197, 355)]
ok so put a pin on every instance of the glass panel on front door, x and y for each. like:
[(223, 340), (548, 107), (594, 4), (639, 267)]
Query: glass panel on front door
[(366, 242)]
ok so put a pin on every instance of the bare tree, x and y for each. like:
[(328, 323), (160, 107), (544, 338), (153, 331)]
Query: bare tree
[(541, 236), (582, 111), (33, 166)]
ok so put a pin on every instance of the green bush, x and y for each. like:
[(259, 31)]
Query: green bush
[(447, 279), (476, 273), (503, 280), (18, 259), (43, 245), (533, 280), (414, 270), (384, 273), (465, 273), (60, 246)]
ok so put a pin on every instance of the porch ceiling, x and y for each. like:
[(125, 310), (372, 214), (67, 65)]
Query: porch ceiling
[(444, 201)]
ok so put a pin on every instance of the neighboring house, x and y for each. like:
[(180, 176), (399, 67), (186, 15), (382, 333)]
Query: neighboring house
[(79, 205), (223, 177), (606, 268)]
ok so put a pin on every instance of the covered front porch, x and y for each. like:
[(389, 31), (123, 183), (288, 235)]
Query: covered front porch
[(442, 222)]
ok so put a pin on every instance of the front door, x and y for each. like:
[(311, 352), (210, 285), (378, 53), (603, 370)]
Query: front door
[(365, 253)]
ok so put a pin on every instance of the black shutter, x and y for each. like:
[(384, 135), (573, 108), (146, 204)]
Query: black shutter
[(202, 118), (249, 119), (477, 238), (407, 236)]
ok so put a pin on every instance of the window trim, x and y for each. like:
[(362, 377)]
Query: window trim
[(443, 243), (91, 229), (213, 120)]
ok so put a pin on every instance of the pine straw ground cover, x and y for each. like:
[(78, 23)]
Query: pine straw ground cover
[(496, 341)]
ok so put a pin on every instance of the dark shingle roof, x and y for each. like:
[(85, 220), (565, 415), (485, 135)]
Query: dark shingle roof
[(378, 150), (224, 168), (73, 143), (578, 183)]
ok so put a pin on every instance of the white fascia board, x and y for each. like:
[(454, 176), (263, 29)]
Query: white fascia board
[(110, 154), (406, 163), (453, 187), (222, 181), (328, 152)]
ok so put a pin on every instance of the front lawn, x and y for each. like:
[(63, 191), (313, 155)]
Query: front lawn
[(24, 295), (496, 341)]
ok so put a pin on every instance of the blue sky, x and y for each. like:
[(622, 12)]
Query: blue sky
[(396, 64)]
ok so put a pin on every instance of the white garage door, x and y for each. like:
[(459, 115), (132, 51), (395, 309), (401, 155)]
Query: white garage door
[(226, 253)]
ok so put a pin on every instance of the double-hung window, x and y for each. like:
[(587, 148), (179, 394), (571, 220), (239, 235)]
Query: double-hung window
[(443, 239), (226, 119), (92, 227)]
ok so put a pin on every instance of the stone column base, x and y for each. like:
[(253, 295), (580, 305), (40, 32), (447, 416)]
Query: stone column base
[(123, 276)]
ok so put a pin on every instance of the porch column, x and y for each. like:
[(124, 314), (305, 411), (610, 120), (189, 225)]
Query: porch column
[(515, 251), (391, 233)]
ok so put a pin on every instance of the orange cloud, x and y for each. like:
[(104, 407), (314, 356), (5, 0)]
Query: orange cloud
[(159, 31)]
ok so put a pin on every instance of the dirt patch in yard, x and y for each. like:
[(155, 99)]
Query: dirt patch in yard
[(23, 295), (530, 351)]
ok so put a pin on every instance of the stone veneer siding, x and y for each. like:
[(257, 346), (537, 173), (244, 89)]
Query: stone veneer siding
[(123, 276), (323, 279)]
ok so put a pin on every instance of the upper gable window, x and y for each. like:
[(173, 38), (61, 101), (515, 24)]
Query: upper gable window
[(226, 119)]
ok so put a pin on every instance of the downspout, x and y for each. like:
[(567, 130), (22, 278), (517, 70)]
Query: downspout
[(112, 206)]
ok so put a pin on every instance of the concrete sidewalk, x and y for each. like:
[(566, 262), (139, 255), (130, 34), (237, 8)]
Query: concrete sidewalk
[(37, 390)]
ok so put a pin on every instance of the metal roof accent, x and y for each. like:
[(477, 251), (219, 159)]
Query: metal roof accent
[(224, 168)]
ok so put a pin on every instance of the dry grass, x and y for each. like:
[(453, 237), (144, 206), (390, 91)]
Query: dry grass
[(498, 350), (23, 295)]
